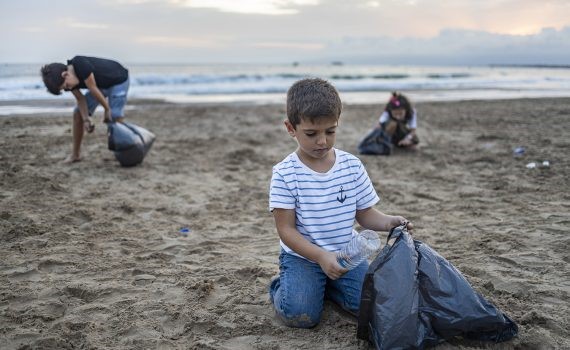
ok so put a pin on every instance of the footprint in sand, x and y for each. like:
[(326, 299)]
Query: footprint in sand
[(76, 218)]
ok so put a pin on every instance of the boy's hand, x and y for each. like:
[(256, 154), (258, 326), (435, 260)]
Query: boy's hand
[(107, 116), (88, 125), (330, 266), (400, 220)]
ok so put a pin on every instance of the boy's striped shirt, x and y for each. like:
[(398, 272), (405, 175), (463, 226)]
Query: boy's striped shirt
[(325, 204)]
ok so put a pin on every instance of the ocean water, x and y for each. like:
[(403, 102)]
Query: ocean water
[(269, 83)]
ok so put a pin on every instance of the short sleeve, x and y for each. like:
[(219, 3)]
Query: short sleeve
[(83, 68), (413, 123), (384, 117), (280, 195), (366, 195)]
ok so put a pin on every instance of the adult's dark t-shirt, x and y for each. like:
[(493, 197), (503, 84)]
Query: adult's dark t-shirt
[(107, 72)]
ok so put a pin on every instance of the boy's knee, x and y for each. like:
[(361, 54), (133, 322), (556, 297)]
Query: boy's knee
[(301, 320), (299, 315)]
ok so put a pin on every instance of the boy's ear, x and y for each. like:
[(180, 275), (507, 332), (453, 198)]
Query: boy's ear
[(290, 128)]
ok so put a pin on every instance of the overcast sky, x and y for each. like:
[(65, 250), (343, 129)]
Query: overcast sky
[(282, 31)]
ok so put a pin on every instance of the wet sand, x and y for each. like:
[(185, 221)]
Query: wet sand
[(92, 256)]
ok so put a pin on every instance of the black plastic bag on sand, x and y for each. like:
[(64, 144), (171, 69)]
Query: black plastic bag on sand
[(376, 142), (129, 142), (413, 298)]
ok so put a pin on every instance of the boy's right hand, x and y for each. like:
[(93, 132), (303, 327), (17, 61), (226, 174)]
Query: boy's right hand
[(330, 266), (88, 125)]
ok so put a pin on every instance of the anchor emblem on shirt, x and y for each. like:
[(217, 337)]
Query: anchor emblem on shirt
[(342, 197)]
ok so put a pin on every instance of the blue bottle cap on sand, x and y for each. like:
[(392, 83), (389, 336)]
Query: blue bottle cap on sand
[(519, 151), (184, 231)]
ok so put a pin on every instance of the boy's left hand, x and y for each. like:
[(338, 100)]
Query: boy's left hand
[(107, 117), (400, 220)]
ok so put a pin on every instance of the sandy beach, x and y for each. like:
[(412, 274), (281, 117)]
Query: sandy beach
[(93, 257)]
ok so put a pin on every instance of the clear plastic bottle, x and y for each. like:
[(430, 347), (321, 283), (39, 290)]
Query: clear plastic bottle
[(361, 246)]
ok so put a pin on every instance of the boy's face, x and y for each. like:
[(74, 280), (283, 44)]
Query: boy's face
[(69, 81), (315, 140), (399, 113)]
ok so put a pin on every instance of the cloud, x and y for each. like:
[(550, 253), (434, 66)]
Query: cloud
[(73, 23), (394, 31), (289, 45), (31, 29), (373, 4), (262, 7), (171, 41), (459, 46)]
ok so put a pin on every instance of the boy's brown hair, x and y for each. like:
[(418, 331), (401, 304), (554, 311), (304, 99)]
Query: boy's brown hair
[(51, 75), (311, 99)]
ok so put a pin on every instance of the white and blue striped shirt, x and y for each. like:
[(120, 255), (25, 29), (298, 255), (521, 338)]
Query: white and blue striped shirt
[(325, 203)]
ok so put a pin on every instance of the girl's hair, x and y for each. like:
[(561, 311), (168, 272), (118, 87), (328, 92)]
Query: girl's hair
[(399, 101)]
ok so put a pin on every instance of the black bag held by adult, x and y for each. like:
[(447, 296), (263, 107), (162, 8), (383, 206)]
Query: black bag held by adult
[(413, 298), (129, 142), (376, 142)]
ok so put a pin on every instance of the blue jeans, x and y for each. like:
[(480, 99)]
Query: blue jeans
[(299, 293), (117, 96)]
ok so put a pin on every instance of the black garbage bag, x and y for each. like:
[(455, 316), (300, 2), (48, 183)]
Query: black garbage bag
[(376, 142), (413, 298), (129, 142)]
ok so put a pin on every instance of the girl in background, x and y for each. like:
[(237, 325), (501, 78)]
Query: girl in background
[(399, 120)]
